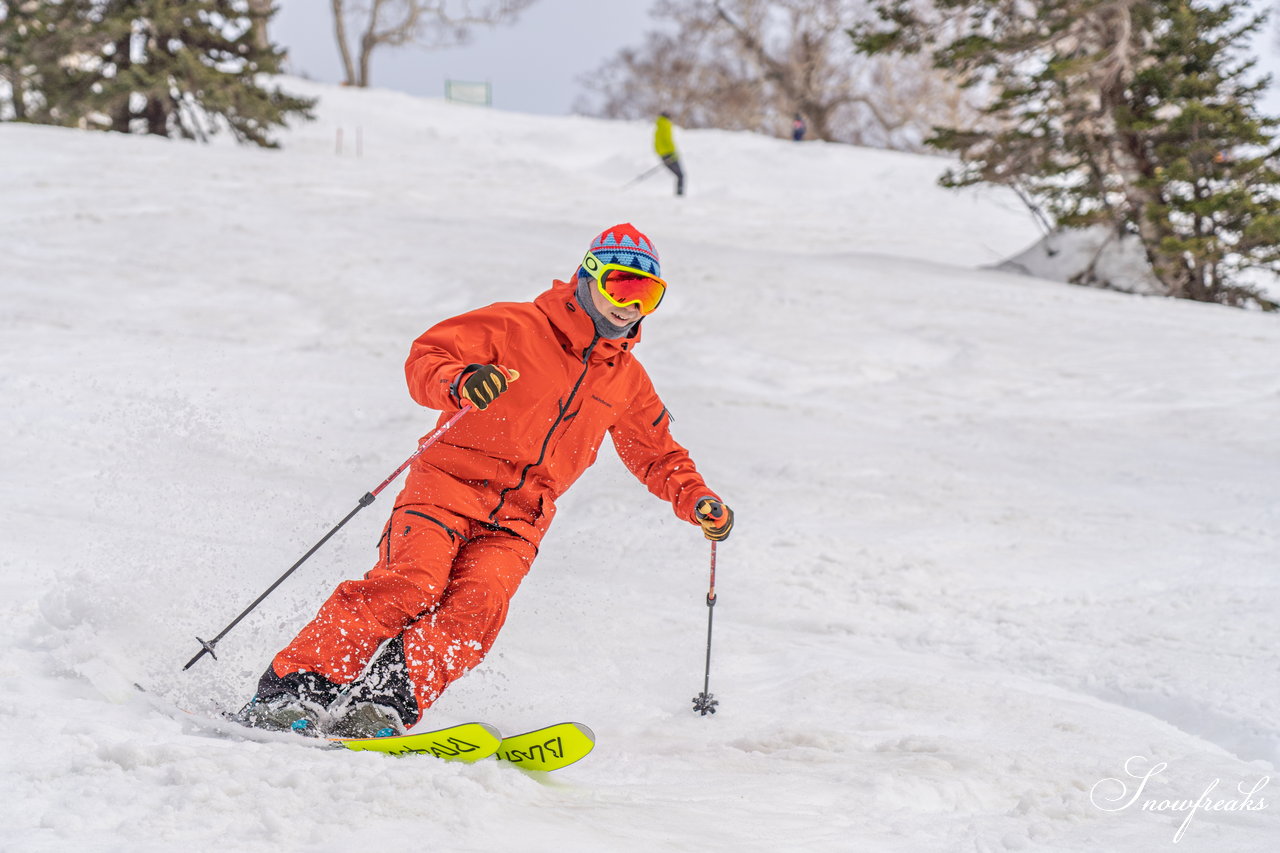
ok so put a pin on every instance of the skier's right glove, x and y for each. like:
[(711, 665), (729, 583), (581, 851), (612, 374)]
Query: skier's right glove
[(481, 384), (716, 519)]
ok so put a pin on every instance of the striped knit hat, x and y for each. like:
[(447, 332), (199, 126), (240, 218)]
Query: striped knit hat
[(625, 245)]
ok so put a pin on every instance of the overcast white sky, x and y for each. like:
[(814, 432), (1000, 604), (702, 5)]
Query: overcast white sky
[(535, 65)]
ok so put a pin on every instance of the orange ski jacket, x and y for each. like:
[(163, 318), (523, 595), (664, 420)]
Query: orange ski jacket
[(506, 466)]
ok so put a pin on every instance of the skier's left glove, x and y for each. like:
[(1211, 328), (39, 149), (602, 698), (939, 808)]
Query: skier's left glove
[(716, 518)]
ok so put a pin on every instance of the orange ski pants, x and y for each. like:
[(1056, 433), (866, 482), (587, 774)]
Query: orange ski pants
[(443, 580)]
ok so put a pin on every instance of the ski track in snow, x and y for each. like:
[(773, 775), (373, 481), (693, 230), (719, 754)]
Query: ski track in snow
[(995, 536)]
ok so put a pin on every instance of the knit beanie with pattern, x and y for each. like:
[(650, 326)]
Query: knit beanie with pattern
[(626, 246)]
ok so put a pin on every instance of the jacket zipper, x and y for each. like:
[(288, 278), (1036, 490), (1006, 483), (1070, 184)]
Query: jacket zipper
[(546, 441)]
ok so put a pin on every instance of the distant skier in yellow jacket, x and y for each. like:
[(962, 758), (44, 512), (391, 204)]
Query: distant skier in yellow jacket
[(665, 147)]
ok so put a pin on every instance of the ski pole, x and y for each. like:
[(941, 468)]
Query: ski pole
[(206, 646), (638, 178), (705, 703)]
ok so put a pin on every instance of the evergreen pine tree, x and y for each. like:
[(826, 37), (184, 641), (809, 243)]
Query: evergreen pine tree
[(1214, 168), (38, 42), (177, 65), (184, 69), (1135, 114), (21, 28)]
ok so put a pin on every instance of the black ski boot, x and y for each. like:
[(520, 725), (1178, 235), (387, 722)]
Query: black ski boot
[(366, 719), (297, 702), (380, 703)]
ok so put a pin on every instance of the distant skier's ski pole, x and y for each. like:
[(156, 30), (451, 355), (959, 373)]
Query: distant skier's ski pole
[(705, 703), (638, 178), (206, 646)]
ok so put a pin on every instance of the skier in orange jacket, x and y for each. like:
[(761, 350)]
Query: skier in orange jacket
[(547, 379)]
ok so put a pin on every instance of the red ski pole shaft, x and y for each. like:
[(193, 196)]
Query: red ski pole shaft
[(426, 442), (206, 646)]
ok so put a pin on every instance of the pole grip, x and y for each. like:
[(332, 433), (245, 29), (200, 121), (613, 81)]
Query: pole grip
[(711, 592)]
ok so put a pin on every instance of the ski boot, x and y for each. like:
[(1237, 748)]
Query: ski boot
[(366, 719), (281, 714), (295, 702)]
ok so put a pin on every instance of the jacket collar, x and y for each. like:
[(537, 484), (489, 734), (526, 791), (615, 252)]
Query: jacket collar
[(574, 327)]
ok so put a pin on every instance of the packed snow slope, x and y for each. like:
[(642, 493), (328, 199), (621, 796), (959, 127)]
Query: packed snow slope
[(997, 539)]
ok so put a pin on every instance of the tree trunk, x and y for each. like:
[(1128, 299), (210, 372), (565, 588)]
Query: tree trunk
[(157, 116), (368, 41), (1143, 204), (19, 99), (122, 114), (367, 44), (260, 12), (1152, 231), (344, 50), (1125, 152), (819, 118)]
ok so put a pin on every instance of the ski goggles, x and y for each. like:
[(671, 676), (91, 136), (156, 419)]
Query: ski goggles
[(625, 286)]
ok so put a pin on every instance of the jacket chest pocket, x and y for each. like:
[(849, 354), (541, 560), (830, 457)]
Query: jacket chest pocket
[(589, 416)]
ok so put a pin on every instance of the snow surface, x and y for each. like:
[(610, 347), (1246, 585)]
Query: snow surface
[(996, 537)]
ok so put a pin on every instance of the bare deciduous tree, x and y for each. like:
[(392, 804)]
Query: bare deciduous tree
[(431, 23), (753, 64)]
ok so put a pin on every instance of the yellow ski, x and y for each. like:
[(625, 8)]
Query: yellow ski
[(550, 748), (467, 742)]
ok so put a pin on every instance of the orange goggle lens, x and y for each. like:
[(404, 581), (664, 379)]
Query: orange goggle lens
[(625, 286)]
